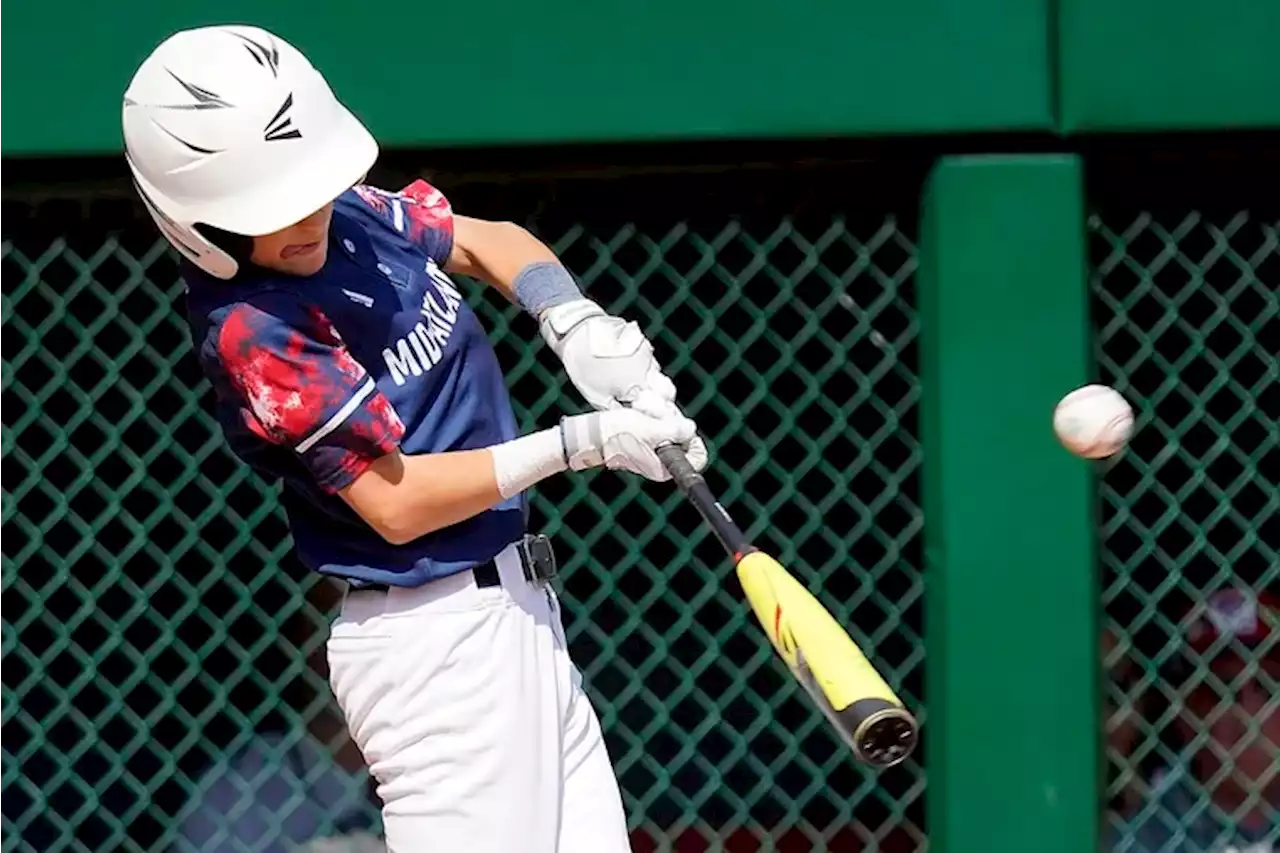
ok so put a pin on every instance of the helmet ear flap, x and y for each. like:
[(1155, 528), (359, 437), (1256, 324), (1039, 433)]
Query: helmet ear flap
[(193, 245), (238, 246)]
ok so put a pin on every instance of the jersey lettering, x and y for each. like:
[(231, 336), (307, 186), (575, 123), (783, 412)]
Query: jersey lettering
[(421, 349), (443, 283), (401, 362)]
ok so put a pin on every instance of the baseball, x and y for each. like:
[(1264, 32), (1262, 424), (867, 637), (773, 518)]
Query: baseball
[(1093, 422)]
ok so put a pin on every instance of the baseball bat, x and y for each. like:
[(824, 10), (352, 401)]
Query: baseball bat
[(820, 654)]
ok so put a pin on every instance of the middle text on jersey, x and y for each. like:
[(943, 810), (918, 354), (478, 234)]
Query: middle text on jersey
[(421, 349)]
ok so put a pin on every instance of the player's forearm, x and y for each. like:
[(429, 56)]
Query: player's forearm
[(405, 497), (496, 252)]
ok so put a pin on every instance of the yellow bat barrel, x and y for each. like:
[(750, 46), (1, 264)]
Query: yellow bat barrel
[(826, 660)]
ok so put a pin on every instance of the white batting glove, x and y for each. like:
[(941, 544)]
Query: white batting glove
[(655, 406), (609, 360), (625, 440)]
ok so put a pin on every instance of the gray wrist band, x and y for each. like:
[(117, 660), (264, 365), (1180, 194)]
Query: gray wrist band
[(544, 285)]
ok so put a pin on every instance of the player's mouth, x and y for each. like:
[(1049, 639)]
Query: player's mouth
[(296, 250)]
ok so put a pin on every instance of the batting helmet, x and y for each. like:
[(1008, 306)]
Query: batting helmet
[(232, 127)]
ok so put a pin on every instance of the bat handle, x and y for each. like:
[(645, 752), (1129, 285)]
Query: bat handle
[(692, 485), (678, 465)]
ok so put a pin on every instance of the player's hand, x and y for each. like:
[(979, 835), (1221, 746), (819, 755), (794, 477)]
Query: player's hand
[(609, 360), (625, 440), (656, 407)]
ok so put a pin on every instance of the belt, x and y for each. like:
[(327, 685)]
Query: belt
[(537, 560)]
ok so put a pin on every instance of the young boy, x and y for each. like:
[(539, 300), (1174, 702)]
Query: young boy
[(349, 367)]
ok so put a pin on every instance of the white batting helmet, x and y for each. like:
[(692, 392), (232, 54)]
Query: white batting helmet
[(231, 127)]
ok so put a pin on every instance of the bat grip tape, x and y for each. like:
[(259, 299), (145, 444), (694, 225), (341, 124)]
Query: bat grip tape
[(682, 471)]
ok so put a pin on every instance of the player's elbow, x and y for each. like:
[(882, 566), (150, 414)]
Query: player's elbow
[(378, 497), (396, 528), (400, 522), (389, 520), (403, 497)]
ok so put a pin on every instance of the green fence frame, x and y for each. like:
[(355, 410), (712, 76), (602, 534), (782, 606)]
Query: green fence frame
[(1010, 589)]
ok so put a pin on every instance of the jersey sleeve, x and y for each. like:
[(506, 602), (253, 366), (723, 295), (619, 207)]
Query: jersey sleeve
[(419, 211), (299, 387)]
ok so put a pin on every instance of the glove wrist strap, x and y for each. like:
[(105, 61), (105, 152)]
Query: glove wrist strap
[(583, 441), (559, 322)]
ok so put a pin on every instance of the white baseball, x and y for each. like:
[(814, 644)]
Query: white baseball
[(1093, 422)]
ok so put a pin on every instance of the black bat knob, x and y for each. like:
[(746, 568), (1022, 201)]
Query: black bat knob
[(888, 739)]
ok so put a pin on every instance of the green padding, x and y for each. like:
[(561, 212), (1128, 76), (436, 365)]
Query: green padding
[(1011, 594), (503, 71), (1169, 64)]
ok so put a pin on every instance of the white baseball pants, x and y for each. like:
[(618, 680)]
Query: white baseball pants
[(473, 719)]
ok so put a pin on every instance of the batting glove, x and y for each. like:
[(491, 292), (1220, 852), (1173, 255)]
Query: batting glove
[(655, 406), (609, 360), (625, 440), (611, 363)]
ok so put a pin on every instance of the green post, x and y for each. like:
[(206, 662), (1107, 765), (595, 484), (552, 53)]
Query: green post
[(1011, 590)]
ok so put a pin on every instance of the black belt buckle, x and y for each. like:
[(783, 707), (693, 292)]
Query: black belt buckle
[(538, 558)]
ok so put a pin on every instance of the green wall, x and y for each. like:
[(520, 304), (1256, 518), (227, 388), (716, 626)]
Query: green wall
[(509, 71), (1169, 64), (501, 71)]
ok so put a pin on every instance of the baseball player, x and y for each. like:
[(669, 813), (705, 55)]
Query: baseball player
[(348, 365)]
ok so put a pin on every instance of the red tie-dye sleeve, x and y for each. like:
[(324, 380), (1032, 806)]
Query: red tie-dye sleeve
[(420, 212), (430, 220), (299, 387)]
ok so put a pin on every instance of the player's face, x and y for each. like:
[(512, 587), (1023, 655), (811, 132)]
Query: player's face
[(300, 249)]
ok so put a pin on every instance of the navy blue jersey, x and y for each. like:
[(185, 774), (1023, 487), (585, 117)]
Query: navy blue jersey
[(317, 377)]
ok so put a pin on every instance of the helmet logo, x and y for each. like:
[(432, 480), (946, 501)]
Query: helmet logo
[(204, 99), (196, 148), (267, 57), (281, 125)]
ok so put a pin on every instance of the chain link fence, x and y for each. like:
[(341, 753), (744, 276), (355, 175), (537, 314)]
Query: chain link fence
[(1185, 301), (156, 627)]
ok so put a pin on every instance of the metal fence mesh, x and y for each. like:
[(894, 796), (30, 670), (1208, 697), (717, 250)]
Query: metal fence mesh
[(1187, 320), (155, 622)]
